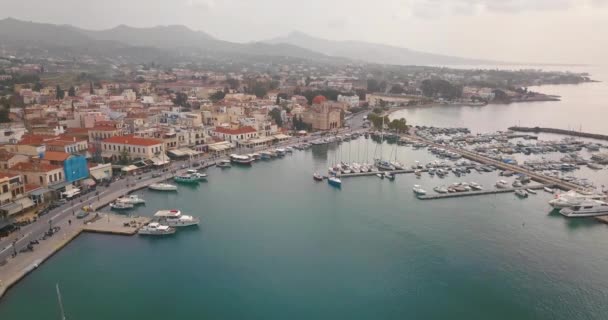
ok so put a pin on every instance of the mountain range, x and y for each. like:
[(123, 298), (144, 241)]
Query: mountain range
[(163, 40)]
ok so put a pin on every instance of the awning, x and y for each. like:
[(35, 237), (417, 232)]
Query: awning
[(60, 185), (18, 206), (107, 154), (88, 182), (189, 152), (99, 175), (158, 162), (129, 168), (281, 136), (39, 192), (177, 153), (220, 146)]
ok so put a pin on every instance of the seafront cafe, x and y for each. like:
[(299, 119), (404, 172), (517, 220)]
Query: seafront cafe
[(220, 148)]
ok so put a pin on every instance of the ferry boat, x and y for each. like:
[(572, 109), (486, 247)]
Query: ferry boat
[(186, 178), (162, 187), (317, 177), (121, 206), (156, 229), (241, 159), (131, 199), (175, 218), (589, 208), (334, 181), (418, 190)]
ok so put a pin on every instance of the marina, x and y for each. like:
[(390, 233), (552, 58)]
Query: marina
[(476, 193)]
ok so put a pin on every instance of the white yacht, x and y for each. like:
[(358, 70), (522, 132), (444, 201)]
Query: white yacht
[(131, 199), (175, 218), (475, 186), (587, 208), (418, 190), (502, 184), (121, 206), (198, 175), (162, 187), (156, 229), (441, 189), (572, 198)]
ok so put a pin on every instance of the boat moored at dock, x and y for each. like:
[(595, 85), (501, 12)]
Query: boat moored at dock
[(121, 206), (162, 187), (175, 218), (156, 229), (186, 178), (241, 159), (589, 208), (334, 181), (131, 199)]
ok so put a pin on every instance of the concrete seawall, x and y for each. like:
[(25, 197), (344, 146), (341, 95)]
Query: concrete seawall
[(561, 131)]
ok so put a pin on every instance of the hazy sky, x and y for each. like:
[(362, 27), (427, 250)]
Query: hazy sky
[(568, 31)]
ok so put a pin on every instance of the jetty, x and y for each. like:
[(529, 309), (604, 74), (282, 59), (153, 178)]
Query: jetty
[(560, 131), (14, 269), (478, 193)]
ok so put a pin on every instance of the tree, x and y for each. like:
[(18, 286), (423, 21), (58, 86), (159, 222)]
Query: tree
[(396, 89), (91, 90), (399, 125), (275, 114), (72, 92), (259, 90), (376, 120), (281, 96), (308, 80), (38, 86), (233, 83), (181, 99), (59, 93), (217, 96)]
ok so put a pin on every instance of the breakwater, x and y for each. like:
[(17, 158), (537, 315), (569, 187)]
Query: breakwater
[(560, 131)]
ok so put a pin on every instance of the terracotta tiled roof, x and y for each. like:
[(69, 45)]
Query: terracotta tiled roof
[(5, 155), (56, 156), (241, 130), (31, 167), (131, 140), (9, 175)]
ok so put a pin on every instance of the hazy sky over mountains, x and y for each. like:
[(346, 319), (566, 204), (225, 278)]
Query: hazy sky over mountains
[(567, 31)]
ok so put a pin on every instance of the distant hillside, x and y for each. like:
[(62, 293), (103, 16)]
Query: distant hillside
[(166, 38), (372, 52)]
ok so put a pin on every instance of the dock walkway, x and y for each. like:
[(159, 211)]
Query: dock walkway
[(477, 193)]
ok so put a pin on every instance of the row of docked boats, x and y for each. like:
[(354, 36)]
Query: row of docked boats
[(166, 222), (127, 202), (458, 187)]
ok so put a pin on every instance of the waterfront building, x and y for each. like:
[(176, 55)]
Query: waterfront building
[(130, 148), (324, 116), (235, 134), (74, 166), (100, 171), (351, 101), (39, 173), (9, 159), (12, 197)]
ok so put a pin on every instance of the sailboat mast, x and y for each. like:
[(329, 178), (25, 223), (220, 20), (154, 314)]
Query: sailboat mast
[(60, 302)]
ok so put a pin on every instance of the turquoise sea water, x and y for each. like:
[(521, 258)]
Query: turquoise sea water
[(273, 244)]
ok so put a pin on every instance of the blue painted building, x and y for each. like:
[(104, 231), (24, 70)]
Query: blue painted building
[(75, 168)]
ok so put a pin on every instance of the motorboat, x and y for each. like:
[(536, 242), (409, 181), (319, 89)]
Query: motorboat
[(418, 172), (334, 181), (226, 163), (547, 189), (289, 149), (175, 218), (441, 189), (156, 229), (502, 184), (521, 193), (517, 184), (317, 177), (265, 155), (241, 159), (595, 166), (475, 186), (418, 190), (186, 178), (588, 208), (397, 165), (198, 175), (380, 175), (280, 152), (121, 206), (132, 199), (389, 175), (572, 198), (530, 191), (162, 187)]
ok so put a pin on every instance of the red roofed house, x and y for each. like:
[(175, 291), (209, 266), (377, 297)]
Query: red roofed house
[(39, 173), (131, 147), (235, 134)]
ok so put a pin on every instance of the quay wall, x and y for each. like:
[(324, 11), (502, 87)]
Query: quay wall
[(560, 131)]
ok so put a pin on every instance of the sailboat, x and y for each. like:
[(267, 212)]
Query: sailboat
[(396, 163), (60, 302), (383, 164)]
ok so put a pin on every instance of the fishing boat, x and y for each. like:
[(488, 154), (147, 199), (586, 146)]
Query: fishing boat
[(175, 218), (162, 187), (589, 208), (241, 159), (156, 229), (121, 206), (226, 163), (186, 178), (334, 181), (132, 199), (265, 155), (317, 177), (418, 190), (521, 193)]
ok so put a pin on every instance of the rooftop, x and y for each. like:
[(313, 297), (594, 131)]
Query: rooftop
[(34, 167), (56, 156), (241, 130), (132, 140)]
